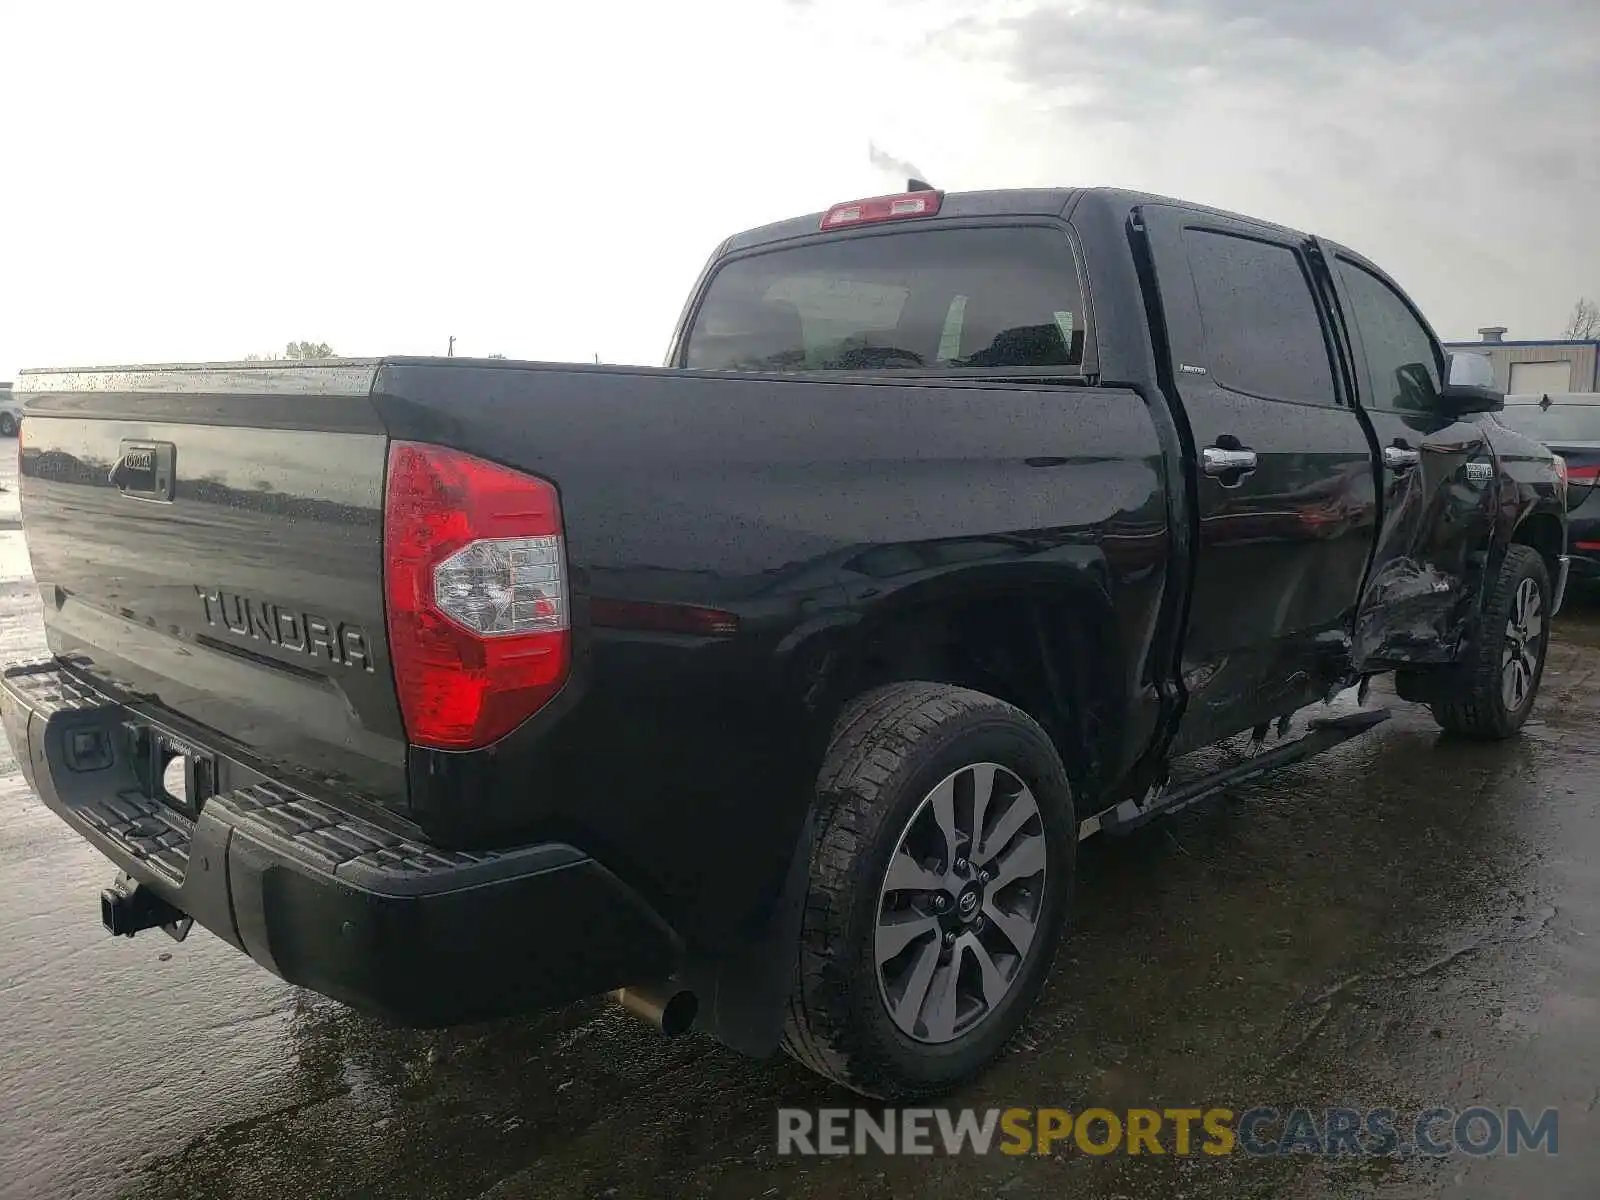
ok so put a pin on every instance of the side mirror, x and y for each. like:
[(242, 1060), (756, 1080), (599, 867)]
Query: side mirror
[(1470, 387)]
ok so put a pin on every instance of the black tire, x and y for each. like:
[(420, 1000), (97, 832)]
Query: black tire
[(890, 747), (1480, 709), (8, 425)]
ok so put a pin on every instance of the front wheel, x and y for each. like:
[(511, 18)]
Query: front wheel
[(8, 425), (940, 882), (1502, 671)]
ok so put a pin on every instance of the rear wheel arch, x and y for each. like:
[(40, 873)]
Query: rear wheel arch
[(841, 661), (1050, 654)]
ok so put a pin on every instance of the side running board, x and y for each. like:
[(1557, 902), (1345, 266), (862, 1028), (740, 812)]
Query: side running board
[(1322, 733)]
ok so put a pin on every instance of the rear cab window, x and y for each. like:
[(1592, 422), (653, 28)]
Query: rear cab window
[(1261, 324), (905, 299)]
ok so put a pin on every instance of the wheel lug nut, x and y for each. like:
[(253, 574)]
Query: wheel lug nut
[(983, 877), (941, 902), (979, 922), (950, 938), (962, 866)]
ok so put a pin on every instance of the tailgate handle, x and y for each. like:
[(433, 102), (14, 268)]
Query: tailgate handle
[(144, 470)]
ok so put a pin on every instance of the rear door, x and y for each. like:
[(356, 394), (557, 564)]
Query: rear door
[(1284, 483), (1437, 504)]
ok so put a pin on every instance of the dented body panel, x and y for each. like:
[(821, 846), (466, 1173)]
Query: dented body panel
[(1442, 487), (1446, 526), (1280, 548), (1436, 525)]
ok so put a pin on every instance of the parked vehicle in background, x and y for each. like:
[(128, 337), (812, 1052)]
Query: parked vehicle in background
[(1569, 424), (774, 689), (10, 411)]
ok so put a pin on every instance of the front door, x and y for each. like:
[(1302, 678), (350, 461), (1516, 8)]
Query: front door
[(1438, 499), (1285, 491)]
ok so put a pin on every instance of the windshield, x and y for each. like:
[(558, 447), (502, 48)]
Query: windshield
[(1558, 423), (907, 300)]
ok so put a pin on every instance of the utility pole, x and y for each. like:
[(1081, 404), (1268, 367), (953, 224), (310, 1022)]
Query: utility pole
[(451, 352)]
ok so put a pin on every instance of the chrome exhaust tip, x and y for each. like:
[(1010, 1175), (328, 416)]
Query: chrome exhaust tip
[(669, 1008)]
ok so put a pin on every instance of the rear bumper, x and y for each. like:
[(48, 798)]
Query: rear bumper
[(330, 898)]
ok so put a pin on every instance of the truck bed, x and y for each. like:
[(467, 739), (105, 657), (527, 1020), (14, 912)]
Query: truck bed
[(725, 535)]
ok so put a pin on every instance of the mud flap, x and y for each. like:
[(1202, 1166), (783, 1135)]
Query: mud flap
[(743, 996), (1428, 685)]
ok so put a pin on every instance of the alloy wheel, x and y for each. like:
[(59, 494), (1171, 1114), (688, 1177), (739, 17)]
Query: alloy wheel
[(1519, 660), (960, 903)]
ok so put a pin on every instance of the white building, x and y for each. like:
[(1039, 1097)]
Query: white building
[(1528, 368)]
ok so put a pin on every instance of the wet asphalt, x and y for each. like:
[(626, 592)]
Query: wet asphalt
[(1404, 922)]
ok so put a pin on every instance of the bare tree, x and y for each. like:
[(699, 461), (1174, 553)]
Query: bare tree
[(1584, 323)]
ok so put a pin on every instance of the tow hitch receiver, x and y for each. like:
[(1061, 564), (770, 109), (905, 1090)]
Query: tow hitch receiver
[(128, 907)]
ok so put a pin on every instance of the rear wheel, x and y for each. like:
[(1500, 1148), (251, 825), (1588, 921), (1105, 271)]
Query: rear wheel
[(8, 425), (1502, 672), (940, 881)]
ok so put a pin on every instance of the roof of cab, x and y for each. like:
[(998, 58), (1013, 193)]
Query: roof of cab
[(1002, 202), (1009, 202)]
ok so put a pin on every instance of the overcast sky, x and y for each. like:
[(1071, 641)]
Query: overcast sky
[(545, 180)]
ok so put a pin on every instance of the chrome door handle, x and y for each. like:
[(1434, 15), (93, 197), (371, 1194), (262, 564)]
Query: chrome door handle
[(1398, 458), (1226, 462)]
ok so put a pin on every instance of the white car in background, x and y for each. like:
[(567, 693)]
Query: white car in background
[(10, 412)]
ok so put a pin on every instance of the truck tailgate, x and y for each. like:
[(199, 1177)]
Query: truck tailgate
[(207, 541)]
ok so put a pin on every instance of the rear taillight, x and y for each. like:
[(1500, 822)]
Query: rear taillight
[(882, 208), (1589, 474), (475, 578)]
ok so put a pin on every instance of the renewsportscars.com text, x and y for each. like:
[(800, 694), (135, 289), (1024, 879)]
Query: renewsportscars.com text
[(1332, 1132)]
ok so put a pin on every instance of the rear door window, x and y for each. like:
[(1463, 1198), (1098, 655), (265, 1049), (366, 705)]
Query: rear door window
[(1263, 332), (922, 299)]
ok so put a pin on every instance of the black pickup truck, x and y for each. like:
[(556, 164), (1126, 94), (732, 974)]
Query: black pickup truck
[(770, 691)]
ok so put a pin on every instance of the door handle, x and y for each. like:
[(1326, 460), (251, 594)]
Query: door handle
[(1398, 458), (1228, 462)]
